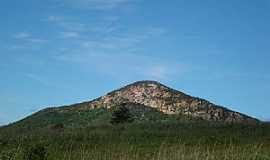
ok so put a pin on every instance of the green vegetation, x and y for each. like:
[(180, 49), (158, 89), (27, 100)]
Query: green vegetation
[(55, 134), (121, 114), (36, 152)]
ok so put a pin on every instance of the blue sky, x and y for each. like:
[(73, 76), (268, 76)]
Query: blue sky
[(58, 52)]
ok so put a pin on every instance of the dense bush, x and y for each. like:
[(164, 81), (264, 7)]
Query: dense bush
[(121, 114)]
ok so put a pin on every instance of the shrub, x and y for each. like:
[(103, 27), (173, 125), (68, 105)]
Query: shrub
[(58, 127), (121, 114)]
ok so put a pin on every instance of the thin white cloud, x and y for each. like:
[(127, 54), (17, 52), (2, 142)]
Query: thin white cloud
[(22, 35), (115, 54), (105, 24), (97, 4), (111, 18), (126, 41), (118, 54), (158, 71), (66, 24), (53, 18), (127, 64), (37, 40), (70, 35), (27, 37)]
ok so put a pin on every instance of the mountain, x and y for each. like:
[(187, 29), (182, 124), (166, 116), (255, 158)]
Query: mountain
[(142, 98), (168, 101)]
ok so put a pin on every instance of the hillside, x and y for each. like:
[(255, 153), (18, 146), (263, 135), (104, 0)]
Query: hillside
[(151, 96)]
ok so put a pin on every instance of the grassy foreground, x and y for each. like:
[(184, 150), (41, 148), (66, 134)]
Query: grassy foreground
[(161, 140)]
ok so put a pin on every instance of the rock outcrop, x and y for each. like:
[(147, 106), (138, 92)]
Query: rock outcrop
[(168, 101)]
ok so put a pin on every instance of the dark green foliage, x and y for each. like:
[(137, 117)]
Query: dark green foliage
[(35, 152), (121, 114), (8, 154), (141, 112), (58, 126)]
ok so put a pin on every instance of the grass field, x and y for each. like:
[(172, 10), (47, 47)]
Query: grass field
[(157, 140)]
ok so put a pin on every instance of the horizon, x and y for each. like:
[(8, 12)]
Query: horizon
[(58, 53)]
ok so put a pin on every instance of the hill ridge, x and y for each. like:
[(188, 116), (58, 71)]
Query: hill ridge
[(150, 94), (168, 100)]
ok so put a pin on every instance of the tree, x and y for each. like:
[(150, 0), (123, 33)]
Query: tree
[(121, 114)]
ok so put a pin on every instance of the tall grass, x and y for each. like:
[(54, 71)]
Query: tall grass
[(167, 140)]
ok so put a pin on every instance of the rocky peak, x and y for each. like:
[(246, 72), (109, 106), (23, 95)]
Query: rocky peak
[(167, 100)]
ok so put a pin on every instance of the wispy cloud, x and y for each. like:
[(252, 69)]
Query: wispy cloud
[(159, 71), (70, 35), (22, 35), (120, 53), (104, 24), (124, 64), (128, 41), (107, 24), (37, 78), (53, 18), (27, 37), (116, 54), (66, 24), (37, 40), (97, 4)]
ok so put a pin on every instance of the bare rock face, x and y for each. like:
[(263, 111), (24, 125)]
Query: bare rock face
[(168, 101)]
